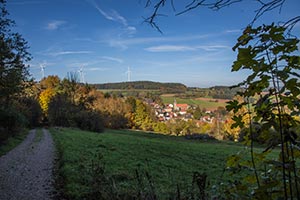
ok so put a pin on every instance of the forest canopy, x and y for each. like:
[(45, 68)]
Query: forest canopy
[(147, 85)]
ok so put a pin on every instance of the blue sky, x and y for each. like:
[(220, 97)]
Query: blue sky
[(105, 37)]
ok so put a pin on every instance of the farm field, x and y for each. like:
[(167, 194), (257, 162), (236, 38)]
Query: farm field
[(133, 160), (207, 103)]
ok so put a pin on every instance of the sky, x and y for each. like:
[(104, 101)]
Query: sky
[(104, 39)]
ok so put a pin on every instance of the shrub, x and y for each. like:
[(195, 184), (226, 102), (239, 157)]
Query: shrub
[(11, 121), (60, 111), (31, 110), (89, 120), (197, 136)]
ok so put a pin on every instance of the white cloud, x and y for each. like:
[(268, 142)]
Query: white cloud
[(130, 30), (124, 43), (118, 18), (112, 59), (213, 47), (173, 48), (96, 69), (62, 53), (113, 15), (169, 48), (233, 31), (55, 24)]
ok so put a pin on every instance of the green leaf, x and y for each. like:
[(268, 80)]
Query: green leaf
[(238, 121), (250, 179), (232, 161), (232, 105)]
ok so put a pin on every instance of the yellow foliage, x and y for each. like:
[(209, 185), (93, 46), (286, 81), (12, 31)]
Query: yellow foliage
[(234, 132), (44, 99)]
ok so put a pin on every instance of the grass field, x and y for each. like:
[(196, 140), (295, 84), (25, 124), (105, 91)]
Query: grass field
[(162, 162), (207, 103)]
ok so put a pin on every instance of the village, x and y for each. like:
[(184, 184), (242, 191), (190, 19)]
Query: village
[(167, 112)]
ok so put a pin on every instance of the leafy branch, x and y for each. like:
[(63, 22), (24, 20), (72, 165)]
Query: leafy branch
[(271, 54)]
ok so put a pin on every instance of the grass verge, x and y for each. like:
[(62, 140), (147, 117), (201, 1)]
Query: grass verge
[(38, 135), (12, 142)]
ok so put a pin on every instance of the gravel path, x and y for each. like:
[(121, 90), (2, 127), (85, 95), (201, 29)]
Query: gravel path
[(26, 171)]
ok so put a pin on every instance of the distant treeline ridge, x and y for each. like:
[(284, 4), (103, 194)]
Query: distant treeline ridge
[(147, 85)]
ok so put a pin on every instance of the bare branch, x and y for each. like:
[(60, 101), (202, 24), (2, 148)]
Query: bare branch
[(172, 3), (191, 7), (151, 19), (265, 6), (291, 23)]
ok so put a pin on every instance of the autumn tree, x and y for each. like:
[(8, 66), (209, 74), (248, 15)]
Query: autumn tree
[(70, 104), (13, 72), (232, 130), (142, 118), (51, 81), (45, 98)]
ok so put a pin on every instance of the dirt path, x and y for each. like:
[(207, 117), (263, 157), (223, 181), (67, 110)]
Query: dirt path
[(26, 171)]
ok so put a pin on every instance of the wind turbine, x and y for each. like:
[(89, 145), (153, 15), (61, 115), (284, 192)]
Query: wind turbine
[(42, 66), (128, 74), (81, 74)]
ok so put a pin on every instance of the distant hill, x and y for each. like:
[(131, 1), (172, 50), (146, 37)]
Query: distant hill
[(143, 85)]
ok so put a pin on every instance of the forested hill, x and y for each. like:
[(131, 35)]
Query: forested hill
[(146, 85)]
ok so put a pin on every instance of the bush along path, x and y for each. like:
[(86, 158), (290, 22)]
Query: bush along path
[(26, 172)]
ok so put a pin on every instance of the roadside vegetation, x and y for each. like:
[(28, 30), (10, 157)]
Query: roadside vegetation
[(12, 142)]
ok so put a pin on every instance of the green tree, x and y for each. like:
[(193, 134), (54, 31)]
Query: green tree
[(197, 113), (13, 56), (272, 57), (13, 74), (70, 85), (60, 111), (31, 110)]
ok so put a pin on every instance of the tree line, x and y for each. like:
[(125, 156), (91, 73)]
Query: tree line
[(144, 85)]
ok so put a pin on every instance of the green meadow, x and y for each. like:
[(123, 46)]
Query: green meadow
[(207, 103), (131, 161)]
